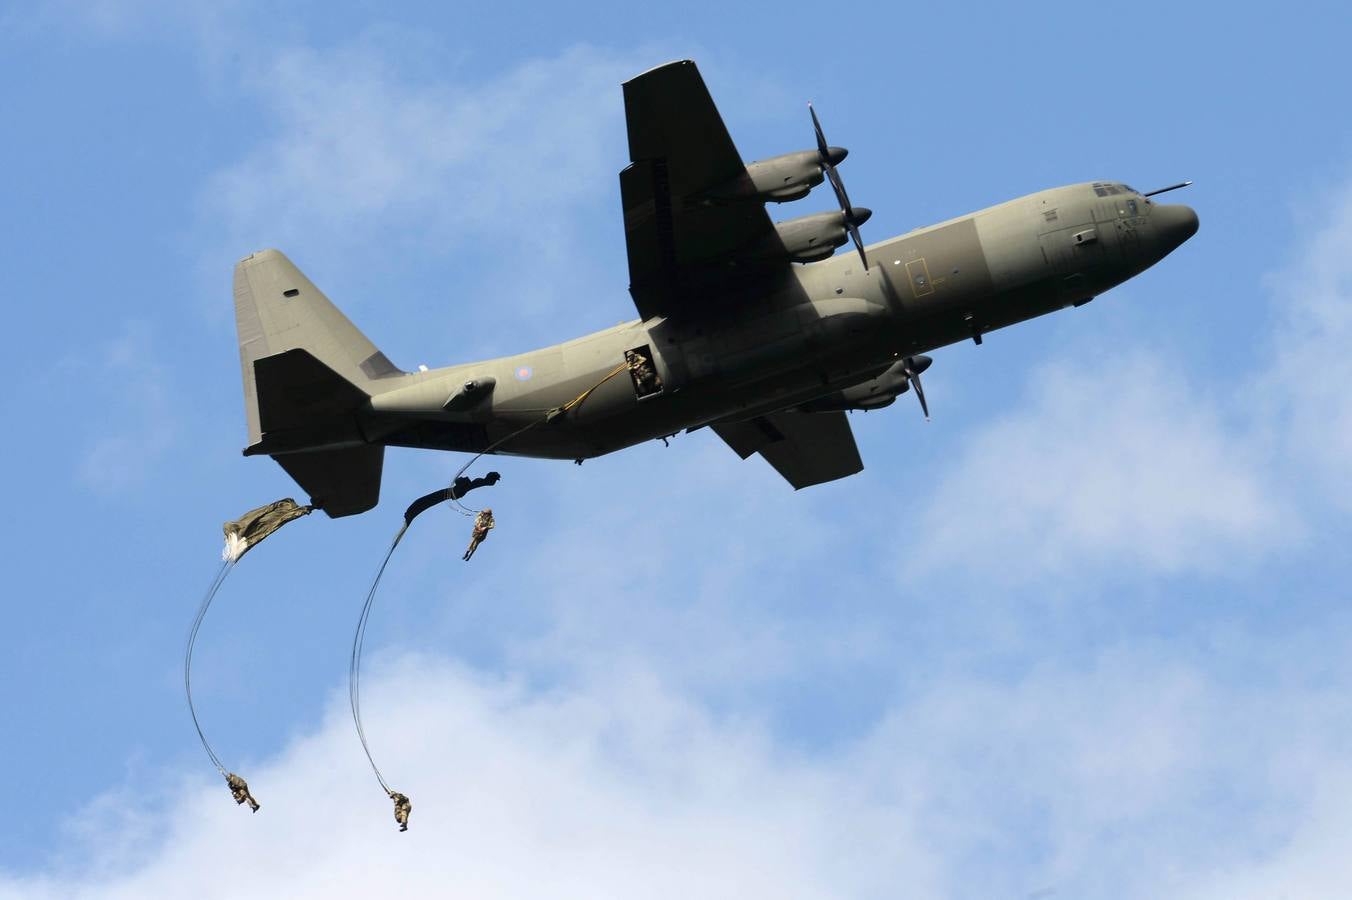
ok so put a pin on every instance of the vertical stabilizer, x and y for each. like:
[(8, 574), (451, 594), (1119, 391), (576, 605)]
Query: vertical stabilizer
[(278, 309), (307, 373)]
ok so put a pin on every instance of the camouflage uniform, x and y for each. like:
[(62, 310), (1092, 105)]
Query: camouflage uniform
[(239, 789), (483, 523), (645, 377), (402, 807)]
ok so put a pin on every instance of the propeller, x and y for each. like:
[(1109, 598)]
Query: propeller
[(853, 218), (912, 366)]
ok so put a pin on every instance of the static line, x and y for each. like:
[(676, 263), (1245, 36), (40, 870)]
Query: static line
[(215, 586)]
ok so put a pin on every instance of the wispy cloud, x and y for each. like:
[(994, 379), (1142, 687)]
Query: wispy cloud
[(621, 791), (1107, 779), (476, 185), (1127, 463), (1112, 776), (1305, 379), (136, 421), (362, 146), (746, 574), (1121, 462), (212, 25)]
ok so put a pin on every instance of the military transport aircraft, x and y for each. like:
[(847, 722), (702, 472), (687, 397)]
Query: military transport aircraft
[(752, 328)]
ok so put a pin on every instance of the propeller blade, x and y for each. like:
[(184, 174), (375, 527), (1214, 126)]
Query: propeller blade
[(824, 157), (913, 370), (838, 186), (920, 395), (822, 149), (858, 242)]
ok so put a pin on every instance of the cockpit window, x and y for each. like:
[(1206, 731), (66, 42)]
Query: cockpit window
[(1131, 208), (1105, 189)]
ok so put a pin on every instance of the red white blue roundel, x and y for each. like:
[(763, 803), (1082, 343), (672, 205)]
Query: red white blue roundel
[(523, 373)]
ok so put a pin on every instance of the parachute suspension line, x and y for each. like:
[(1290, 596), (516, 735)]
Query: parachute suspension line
[(354, 664), (241, 535), (402, 806), (469, 511), (221, 573), (549, 416)]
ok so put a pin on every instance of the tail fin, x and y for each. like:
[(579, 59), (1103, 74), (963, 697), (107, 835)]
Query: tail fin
[(307, 371)]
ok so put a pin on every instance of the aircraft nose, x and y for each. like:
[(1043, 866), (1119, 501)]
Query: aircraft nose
[(1174, 223)]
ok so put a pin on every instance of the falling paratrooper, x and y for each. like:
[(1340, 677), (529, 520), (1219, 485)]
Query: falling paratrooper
[(251, 529), (458, 489), (241, 536)]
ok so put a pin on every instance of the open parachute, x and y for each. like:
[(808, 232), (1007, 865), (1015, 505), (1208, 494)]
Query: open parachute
[(241, 535), (255, 526)]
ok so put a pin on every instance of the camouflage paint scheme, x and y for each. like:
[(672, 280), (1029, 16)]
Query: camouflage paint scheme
[(768, 351)]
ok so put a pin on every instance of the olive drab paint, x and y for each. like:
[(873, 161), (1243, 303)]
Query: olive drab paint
[(768, 351)]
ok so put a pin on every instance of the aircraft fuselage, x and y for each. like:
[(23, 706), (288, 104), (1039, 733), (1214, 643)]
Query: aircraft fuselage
[(827, 326)]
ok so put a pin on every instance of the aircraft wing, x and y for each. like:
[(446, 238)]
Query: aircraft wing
[(806, 448), (682, 244)]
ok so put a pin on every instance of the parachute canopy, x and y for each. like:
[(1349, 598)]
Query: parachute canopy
[(246, 532)]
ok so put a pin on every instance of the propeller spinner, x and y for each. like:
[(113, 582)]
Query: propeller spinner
[(853, 217)]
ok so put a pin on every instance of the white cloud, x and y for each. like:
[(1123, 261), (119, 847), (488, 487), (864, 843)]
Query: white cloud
[(1123, 461), (731, 567), (1127, 776), (621, 791), (1129, 462), (470, 195), (361, 148), (1311, 862), (1311, 362), (1108, 779)]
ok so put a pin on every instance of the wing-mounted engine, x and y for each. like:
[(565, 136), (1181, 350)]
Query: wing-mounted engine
[(877, 393), (696, 225), (779, 179), (810, 238), (852, 217), (790, 177)]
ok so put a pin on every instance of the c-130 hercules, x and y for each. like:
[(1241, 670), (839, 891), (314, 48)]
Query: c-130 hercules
[(750, 327)]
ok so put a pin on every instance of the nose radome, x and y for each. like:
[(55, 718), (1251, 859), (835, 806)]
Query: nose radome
[(1174, 224)]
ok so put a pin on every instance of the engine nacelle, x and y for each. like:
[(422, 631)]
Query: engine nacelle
[(780, 178), (874, 394), (815, 237)]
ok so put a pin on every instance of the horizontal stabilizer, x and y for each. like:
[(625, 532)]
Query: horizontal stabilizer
[(341, 482), (308, 374)]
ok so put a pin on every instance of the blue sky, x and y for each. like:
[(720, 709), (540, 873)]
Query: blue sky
[(1082, 635)]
